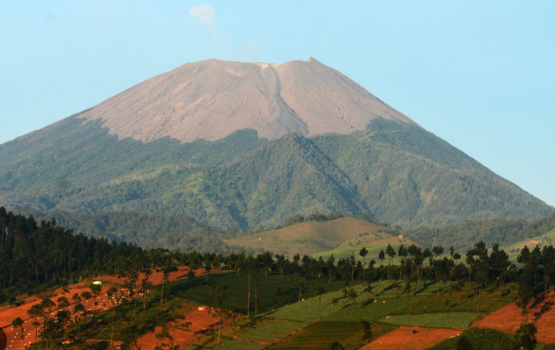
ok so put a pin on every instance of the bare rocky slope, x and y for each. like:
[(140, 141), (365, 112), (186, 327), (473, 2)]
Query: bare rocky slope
[(212, 99)]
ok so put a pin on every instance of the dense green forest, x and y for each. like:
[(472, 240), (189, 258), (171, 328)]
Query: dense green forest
[(395, 172), (143, 229), (34, 254), (463, 235)]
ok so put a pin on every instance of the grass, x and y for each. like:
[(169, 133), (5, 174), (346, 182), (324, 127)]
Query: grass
[(235, 287), (239, 345), (271, 331), (455, 320), (313, 237)]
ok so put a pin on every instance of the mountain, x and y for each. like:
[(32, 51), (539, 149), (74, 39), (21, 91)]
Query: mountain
[(211, 99), (248, 144)]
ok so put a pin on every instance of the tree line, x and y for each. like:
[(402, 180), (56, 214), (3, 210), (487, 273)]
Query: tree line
[(34, 255)]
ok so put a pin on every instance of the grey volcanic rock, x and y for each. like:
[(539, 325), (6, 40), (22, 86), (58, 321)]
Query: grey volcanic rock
[(212, 99)]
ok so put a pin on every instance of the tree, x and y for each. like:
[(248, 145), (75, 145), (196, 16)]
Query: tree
[(367, 328), (62, 302), (250, 265), (548, 263), (190, 277), (146, 284), (301, 285), (363, 252), (403, 253), (95, 289), (76, 298), (527, 335), (86, 295), (165, 280), (47, 305), (438, 251), (352, 264), (219, 303), (267, 262), (525, 287), (17, 322), (78, 308), (36, 311), (330, 266), (63, 317), (111, 293), (391, 254), (334, 302), (165, 334), (499, 262)]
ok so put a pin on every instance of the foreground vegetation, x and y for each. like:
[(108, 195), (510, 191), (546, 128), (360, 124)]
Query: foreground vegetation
[(285, 303)]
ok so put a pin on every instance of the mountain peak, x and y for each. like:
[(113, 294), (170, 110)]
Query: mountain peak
[(211, 99)]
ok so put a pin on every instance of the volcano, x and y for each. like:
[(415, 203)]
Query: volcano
[(246, 145)]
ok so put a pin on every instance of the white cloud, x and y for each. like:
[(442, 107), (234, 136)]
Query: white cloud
[(204, 13)]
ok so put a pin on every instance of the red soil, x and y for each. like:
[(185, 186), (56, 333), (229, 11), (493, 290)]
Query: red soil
[(531, 243), (509, 318), (200, 322), (8, 314), (403, 338)]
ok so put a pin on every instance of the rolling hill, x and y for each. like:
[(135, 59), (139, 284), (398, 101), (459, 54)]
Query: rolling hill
[(340, 237)]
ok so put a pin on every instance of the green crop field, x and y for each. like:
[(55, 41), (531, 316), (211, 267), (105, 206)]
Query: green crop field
[(321, 334), (235, 287), (456, 320)]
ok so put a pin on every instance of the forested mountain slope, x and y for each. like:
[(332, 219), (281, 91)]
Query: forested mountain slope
[(331, 146)]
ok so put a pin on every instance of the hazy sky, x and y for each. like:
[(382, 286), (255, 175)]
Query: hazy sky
[(479, 74)]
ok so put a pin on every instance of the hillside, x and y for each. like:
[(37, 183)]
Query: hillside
[(143, 229), (390, 169), (339, 237), (509, 234)]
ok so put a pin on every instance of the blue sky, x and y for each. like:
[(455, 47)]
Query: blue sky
[(480, 75)]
